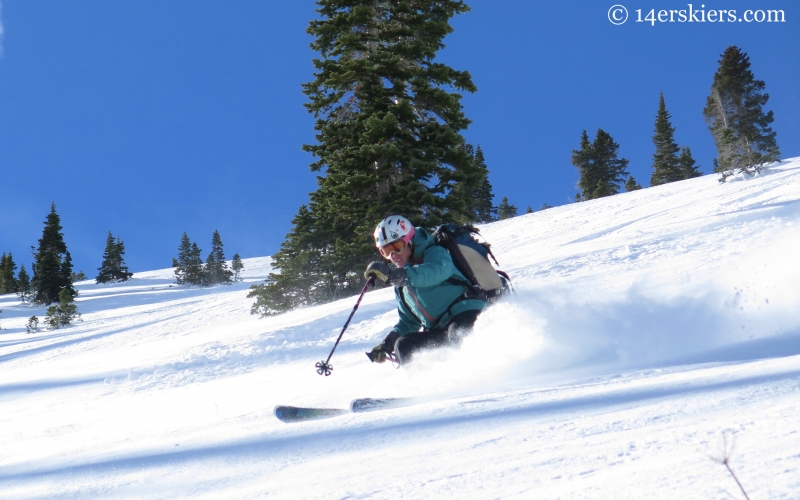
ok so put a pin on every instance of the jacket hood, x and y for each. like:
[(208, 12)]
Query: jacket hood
[(422, 240)]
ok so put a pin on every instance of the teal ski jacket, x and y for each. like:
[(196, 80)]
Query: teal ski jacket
[(428, 300)]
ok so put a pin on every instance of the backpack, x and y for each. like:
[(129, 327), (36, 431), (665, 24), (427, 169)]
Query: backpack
[(471, 258)]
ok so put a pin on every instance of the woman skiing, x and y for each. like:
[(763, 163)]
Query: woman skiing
[(434, 301)]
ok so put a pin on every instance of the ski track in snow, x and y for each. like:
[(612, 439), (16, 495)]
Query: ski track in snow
[(644, 325)]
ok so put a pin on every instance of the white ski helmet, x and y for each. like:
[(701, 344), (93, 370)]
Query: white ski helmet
[(393, 228)]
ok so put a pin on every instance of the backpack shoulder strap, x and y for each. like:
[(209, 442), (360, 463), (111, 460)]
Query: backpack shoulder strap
[(445, 237)]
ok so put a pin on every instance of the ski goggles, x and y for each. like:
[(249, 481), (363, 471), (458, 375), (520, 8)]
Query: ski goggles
[(396, 246)]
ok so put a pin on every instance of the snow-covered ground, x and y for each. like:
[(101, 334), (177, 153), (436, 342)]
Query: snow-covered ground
[(645, 326)]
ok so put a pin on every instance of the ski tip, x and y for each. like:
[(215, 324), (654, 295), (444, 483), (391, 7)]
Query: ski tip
[(285, 413)]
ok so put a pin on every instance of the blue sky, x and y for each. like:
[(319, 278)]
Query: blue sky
[(151, 118)]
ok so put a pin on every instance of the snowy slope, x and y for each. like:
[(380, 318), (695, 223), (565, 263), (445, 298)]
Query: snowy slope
[(644, 325)]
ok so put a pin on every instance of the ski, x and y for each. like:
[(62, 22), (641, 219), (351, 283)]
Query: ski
[(372, 404), (300, 414)]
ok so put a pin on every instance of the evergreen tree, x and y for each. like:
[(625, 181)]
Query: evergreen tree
[(601, 171), (216, 267), (189, 269), (735, 115), (613, 168), (79, 276), (583, 159), (388, 122), (52, 265), (603, 189), (632, 185), (300, 256), (505, 210), (686, 164), (64, 312), (195, 271), (529, 210), (113, 268), (23, 284), (482, 197), (665, 160), (545, 206), (477, 195), (210, 264), (8, 283), (66, 272), (182, 262), (32, 326), (237, 266)]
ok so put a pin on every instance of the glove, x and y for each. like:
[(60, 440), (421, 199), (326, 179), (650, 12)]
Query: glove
[(379, 352), (393, 275)]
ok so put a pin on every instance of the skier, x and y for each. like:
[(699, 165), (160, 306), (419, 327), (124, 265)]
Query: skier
[(434, 301)]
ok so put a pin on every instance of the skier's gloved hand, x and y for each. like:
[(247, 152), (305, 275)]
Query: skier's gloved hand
[(379, 352), (393, 275)]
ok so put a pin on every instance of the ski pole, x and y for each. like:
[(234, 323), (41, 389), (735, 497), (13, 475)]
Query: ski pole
[(324, 367)]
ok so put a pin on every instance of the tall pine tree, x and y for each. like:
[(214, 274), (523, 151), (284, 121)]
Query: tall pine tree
[(583, 159), (196, 271), (216, 267), (388, 122), (113, 268), (482, 196), (189, 269), (478, 196), (182, 262), (601, 170), (735, 115), (52, 264), (665, 159), (8, 283)]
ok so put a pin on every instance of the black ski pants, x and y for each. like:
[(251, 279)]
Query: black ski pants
[(451, 334)]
